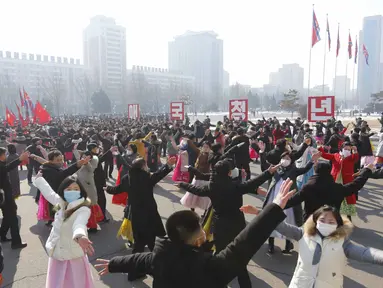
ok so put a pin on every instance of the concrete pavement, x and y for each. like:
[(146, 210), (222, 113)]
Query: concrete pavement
[(28, 267)]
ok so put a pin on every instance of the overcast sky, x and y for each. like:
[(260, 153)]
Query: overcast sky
[(259, 36)]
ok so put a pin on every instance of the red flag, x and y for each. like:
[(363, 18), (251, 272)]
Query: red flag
[(21, 98), (23, 122), (365, 53), (337, 44), (315, 37), (328, 35), (10, 117), (41, 115), (349, 46)]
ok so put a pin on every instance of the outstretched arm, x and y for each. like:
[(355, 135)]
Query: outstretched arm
[(290, 231), (160, 174), (362, 254), (227, 263), (203, 191), (250, 186), (48, 193)]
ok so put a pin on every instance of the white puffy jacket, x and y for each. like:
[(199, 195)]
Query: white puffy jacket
[(61, 244), (321, 261)]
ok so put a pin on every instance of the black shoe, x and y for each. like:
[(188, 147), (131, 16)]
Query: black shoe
[(19, 246), (49, 223), (106, 220), (5, 239), (92, 230), (289, 246), (30, 182)]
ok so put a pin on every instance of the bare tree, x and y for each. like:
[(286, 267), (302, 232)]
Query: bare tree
[(54, 89), (8, 91), (85, 87)]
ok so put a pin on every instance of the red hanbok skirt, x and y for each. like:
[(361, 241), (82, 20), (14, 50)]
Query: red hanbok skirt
[(95, 216), (120, 199)]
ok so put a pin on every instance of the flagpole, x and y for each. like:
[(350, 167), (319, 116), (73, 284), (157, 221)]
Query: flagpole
[(345, 82), (336, 63), (311, 46), (324, 57), (353, 69)]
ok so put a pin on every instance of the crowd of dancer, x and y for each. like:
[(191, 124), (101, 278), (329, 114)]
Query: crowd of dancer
[(323, 165)]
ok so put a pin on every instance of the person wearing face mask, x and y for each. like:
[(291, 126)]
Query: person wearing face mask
[(226, 197), (54, 173), (324, 246), (107, 142), (286, 169), (305, 158), (274, 156), (124, 162), (68, 244), (365, 151), (181, 261), (321, 189), (146, 221), (85, 176), (342, 170), (202, 165)]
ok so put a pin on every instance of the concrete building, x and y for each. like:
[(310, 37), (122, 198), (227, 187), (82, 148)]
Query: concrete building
[(320, 90), (226, 80), (42, 77), (199, 54), (290, 76), (105, 55), (370, 76), (161, 78), (342, 90)]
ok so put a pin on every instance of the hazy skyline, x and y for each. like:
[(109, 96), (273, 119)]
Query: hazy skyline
[(258, 38)]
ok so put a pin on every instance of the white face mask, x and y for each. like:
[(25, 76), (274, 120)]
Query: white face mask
[(234, 173), (129, 152), (285, 162), (345, 153), (326, 229)]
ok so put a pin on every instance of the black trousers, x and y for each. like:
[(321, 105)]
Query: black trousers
[(10, 222), (222, 239), (163, 148), (108, 167), (141, 242), (246, 167), (101, 200), (32, 167)]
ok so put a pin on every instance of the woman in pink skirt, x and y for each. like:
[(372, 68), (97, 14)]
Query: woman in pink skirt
[(202, 165), (68, 243)]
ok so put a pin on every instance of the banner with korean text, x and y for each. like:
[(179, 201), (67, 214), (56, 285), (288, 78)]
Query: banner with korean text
[(238, 109), (133, 111), (177, 111), (320, 108)]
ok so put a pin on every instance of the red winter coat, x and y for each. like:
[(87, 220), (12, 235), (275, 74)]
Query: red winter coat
[(344, 165)]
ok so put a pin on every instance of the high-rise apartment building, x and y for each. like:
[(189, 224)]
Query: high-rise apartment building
[(290, 76), (199, 54), (105, 55), (370, 77)]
